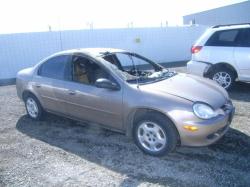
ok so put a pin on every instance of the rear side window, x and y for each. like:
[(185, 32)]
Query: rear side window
[(57, 68), (244, 38), (223, 38)]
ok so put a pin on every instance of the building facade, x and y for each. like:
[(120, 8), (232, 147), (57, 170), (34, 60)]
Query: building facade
[(236, 13)]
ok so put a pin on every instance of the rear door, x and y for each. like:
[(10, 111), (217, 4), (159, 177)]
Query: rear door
[(49, 83), (242, 55), (220, 47)]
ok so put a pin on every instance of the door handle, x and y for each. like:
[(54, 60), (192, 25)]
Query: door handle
[(71, 92), (38, 85)]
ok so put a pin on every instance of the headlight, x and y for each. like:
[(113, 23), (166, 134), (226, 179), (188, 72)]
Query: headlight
[(203, 111)]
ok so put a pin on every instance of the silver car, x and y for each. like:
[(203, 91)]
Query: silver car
[(126, 92)]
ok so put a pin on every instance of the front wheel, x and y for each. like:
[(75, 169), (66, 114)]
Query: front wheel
[(155, 134), (33, 107)]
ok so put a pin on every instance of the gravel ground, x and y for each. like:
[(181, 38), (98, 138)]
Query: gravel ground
[(62, 152)]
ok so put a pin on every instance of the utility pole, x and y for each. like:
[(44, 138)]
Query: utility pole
[(49, 26), (130, 24), (90, 25)]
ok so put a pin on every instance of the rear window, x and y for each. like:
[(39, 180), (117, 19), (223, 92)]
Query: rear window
[(223, 38), (56, 67)]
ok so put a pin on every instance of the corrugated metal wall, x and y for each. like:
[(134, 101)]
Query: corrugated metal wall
[(168, 44), (237, 13)]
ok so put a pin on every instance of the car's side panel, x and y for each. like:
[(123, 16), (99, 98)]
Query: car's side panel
[(23, 78), (94, 104), (242, 58), (217, 54), (141, 99), (203, 55), (47, 90), (197, 67)]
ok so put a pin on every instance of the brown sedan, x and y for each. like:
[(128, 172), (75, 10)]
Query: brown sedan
[(128, 93)]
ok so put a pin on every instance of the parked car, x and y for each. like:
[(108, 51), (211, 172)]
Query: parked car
[(128, 93), (222, 53)]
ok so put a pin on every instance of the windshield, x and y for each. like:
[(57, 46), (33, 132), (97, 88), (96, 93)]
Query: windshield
[(137, 69)]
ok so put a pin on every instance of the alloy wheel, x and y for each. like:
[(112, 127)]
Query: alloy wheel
[(223, 78), (32, 107), (151, 136)]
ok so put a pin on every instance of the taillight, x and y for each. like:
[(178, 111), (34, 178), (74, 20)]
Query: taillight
[(195, 49)]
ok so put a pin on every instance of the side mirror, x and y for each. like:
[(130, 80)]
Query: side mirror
[(105, 83)]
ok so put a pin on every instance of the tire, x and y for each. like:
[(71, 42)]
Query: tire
[(151, 141), (224, 77), (33, 107)]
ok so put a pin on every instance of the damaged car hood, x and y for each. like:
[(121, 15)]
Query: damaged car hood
[(190, 87)]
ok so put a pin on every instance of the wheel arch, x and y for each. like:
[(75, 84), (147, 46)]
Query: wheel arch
[(221, 65), (138, 112), (26, 93), (40, 111)]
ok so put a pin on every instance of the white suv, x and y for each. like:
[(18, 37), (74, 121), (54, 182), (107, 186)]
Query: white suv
[(222, 53)]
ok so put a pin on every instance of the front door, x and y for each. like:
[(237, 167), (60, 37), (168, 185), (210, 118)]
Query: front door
[(87, 102)]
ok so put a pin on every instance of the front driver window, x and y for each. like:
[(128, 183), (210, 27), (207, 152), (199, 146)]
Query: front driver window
[(85, 71)]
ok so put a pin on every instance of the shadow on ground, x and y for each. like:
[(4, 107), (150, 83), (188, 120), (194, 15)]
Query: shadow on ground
[(240, 92), (220, 164)]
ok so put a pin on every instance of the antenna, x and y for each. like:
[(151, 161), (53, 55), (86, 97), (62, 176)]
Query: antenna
[(60, 33), (136, 72)]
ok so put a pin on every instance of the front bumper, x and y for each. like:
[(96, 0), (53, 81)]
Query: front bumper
[(197, 68), (209, 131)]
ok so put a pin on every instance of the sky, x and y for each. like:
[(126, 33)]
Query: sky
[(18, 16)]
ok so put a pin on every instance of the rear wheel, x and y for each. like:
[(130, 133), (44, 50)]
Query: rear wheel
[(33, 107), (224, 77), (155, 135)]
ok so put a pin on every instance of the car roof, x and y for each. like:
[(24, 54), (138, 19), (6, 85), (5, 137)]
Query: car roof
[(91, 51), (228, 27)]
